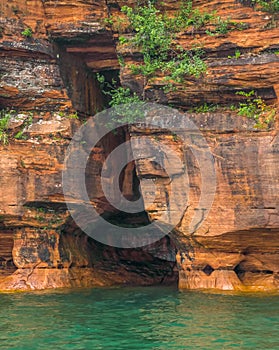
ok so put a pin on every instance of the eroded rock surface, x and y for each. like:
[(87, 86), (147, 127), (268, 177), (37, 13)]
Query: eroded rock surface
[(53, 74), (236, 246)]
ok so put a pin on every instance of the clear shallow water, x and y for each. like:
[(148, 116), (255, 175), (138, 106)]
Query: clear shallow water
[(138, 318)]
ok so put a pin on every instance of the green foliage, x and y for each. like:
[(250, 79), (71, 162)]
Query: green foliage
[(222, 26), (152, 34), (185, 63), (205, 108), (175, 137), (73, 116), (182, 18), (187, 16), (233, 107), (5, 117), (27, 122), (237, 55), (48, 218), (254, 107), (20, 135), (117, 24), (155, 34), (119, 96), (27, 32), (122, 40), (61, 114), (101, 79), (271, 6)]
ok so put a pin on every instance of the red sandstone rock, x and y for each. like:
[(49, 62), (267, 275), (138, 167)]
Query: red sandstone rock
[(236, 248)]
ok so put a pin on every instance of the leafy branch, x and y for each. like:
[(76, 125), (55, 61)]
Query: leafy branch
[(271, 6), (255, 107)]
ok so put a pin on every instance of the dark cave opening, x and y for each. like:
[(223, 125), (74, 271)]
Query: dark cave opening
[(7, 266), (147, 265)]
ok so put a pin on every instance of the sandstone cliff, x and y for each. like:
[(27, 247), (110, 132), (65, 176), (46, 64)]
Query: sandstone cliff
[(51, 74)]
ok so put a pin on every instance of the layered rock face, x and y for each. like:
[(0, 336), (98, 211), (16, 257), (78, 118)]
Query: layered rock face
[(236, 246), (53, 74)]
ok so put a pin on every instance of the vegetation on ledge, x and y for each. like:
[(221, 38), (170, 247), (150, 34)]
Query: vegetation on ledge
[(271, 6), (154, 36), (150, 31)]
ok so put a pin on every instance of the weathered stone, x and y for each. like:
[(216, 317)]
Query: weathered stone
[(240, 234), (52, 73), (219, 279)]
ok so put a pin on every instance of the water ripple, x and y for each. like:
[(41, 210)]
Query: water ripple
[(138, 318)]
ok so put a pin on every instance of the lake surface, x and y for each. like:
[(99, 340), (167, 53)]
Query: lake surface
[(138, 318)]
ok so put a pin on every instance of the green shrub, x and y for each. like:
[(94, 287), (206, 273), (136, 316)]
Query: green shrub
[(5, 117), (122, 95), (155, 38), (194, 18), (27, 122), (119, 96), (73, 116), (224, 26), (20, 135), (152, 33), (271, 6), (254, 107), (155, 35), (205, 108), (27, 32), (237, 55)]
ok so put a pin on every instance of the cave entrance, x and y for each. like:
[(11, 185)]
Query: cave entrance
[(7, 266), (80, 60)]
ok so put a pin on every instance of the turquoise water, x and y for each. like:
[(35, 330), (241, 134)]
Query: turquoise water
[(138, 318)]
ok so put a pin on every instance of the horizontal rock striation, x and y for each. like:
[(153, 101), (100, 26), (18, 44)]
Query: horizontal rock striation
[(52, 74)]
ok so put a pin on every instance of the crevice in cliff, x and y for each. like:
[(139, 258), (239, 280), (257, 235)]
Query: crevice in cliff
[(7, 266), (150, 265), (247, 266), (208, 270), (79, 60), (80, 82)]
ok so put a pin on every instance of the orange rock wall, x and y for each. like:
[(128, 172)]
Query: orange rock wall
[(52, 73)]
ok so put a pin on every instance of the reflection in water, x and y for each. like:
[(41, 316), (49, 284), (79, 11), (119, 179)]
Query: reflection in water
[(138, 318)]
